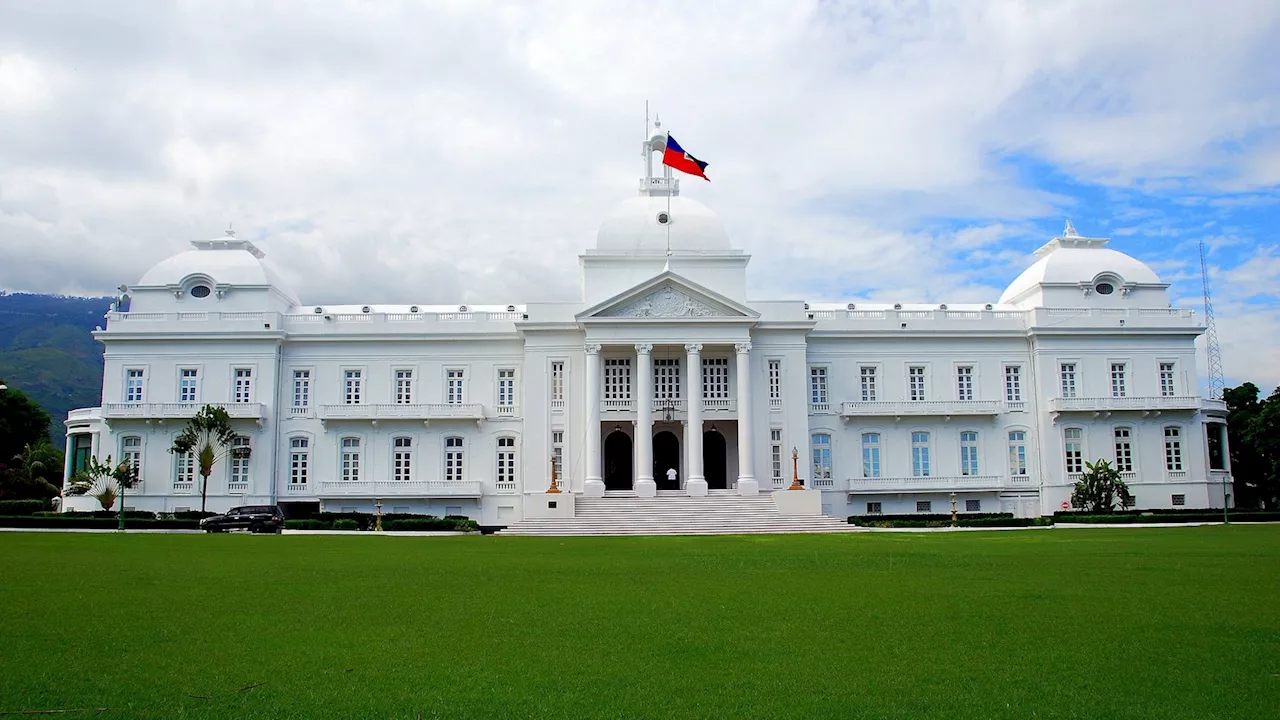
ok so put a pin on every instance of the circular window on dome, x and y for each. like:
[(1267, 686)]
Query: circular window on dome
[(1104, 288), (663, 218), (200, 291)]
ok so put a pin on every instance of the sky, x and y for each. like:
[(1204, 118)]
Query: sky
[(466, 150)]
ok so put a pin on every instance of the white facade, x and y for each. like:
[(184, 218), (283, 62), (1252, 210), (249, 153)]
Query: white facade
[(664, 364)]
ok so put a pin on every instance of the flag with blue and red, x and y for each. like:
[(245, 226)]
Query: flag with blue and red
[(676, 157)]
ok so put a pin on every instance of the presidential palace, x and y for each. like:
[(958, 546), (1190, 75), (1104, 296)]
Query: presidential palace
[(665, 380)]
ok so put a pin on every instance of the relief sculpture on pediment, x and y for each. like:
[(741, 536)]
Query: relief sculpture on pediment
[(666, 303)]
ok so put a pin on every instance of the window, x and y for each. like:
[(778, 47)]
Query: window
[(557, 451), (868, 374), (1104, 288), (1117, 380), (1173, 449), (455, 386), (240, 459), (1166, 380), (617, 379), (131, 452), (1013, 383), (506, 460), (915, 382), (873, 508), (1067, 371), (920, 454), (404, 387), (1073, 446), (968, 453), (299, 459), (775, 453), (1179, 500), (301, 388), (557, 381), (821, 456), (453, 459), (924, 506), (1124, 449), (1213, 435), (402, 459), (353, 386), (973, 506), (666, 379), (506, 388), (964, 384), (871, 455), (817, 386), (189, 385), (715, 378), (775, 382), (351, 459), (1017, 452), (133, 385), (243, 386), (186, 469)]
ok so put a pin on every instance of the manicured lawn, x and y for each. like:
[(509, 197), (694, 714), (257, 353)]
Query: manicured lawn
[(1116, 623)]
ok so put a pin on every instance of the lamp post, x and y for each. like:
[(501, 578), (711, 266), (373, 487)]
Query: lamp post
[(377, 518), (795, 470), (554, 489), (953, 509)]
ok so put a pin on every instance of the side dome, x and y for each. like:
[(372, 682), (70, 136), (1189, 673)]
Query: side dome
[(224, 261), (642, 224), (1077, 261)]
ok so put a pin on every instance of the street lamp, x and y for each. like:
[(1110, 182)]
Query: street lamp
[(795, 470), (953, 509), (377, 522), (553, 490)]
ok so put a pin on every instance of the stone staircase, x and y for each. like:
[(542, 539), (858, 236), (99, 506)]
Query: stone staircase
[(722, 512)]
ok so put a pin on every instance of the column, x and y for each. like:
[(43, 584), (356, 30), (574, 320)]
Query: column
[(694, 484), (747, 484), (67, 459), (645, 486), (594, 485)]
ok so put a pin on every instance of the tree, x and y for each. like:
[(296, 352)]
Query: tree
[(32, 474), (22, 422), (210, 437), (1100, 489), (108, 482), (1253, 432)]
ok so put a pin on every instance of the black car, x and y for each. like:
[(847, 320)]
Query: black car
[(254, 518)]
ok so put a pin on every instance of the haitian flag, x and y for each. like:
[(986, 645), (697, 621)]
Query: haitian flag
[(676, 157)]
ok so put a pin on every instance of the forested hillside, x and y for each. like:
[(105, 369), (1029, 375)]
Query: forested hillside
[(47, 350)]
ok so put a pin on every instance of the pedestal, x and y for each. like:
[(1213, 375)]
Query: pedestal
[(593, 488), (646, 488), (696, 487), (748, 487)]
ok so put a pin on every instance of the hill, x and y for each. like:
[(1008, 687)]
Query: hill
[(47, 349)]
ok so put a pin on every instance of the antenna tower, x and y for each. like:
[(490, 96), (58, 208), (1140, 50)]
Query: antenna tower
[(1216, 383)]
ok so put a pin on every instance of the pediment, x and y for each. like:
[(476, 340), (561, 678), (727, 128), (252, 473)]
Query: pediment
[(668, 297)]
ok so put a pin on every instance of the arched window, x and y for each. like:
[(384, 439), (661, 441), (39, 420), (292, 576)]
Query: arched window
[(402, 459), (968, 453), (871, 455), (453, 459), (299, 460), (1073, 449), (239, 463), (507, 460), (821, 456), (1017, 453), (920, 454), (1124, 449), (351, 459), (1173, 448)]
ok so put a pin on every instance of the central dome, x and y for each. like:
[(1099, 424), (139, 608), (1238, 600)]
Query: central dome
[(642, 224)]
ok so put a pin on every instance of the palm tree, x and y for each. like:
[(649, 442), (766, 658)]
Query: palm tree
[(209, 436), (35, 465)]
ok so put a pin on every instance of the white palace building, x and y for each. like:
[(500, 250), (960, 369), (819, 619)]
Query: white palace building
[(664, 364)]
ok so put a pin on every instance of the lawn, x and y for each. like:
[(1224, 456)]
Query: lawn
[(1113, 623)]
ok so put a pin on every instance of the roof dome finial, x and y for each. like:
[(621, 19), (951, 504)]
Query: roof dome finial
[(1070, 230), (229, 231)]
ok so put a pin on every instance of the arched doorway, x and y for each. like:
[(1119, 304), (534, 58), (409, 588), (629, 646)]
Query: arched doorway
[(666, 455), (617, 461), (714, 462)]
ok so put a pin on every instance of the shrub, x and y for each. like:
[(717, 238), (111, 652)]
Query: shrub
[(1167, 517), (193, 515), (944, 518), (431, 523), (22, 507), (346, 524), (307, 525), (85, 520)]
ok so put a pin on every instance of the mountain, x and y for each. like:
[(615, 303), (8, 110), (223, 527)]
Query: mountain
[(47, 350)]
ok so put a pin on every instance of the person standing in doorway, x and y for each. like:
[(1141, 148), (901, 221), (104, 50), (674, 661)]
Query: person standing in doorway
[(671, 478)]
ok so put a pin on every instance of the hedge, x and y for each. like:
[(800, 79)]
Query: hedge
[(1128, 518), (944, 518), (128, 514), (346, 524), (307, 525), (22, 507), (68, 520), (431, 523)]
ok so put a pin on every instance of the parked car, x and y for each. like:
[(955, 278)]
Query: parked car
[(254, 518)]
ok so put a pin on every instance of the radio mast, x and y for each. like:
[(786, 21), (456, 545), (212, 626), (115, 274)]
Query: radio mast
[(1216, 383)]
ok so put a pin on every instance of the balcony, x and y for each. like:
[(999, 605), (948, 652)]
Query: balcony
[(297, 489), (397, 411), (660, 405), (920, 408), (177, 410), (1213, 406), (237, 488), (1147, 404), (937, 483), (400, 489)]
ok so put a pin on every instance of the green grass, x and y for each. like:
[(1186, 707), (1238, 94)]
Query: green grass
[(1115, 623)]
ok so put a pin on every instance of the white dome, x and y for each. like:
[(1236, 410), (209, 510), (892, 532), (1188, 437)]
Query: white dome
[(1073, 265), (636, 225), (225, 261)]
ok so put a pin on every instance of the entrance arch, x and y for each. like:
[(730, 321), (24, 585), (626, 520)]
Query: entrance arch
[(617, 461), (666, 455), (714, 460)]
